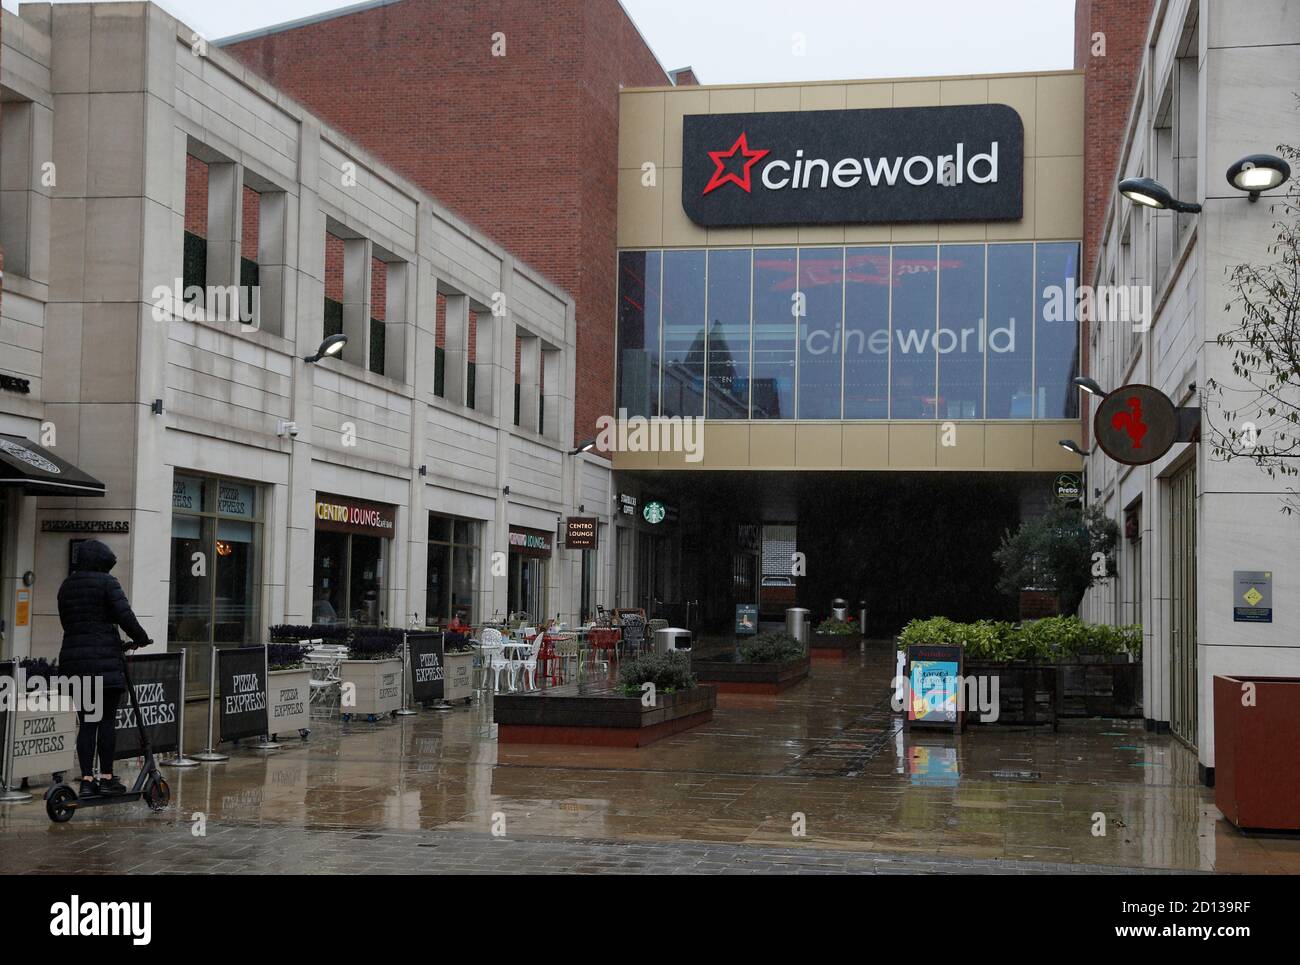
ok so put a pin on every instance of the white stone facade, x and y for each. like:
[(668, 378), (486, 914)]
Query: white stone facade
[(1218, 81), (116, 96)]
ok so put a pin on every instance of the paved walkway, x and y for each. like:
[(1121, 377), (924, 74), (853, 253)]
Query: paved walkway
[(825, 758)]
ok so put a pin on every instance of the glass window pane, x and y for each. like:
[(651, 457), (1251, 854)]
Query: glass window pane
[(821, 282), (465, 532), (437, 596), (683, 322), (439, 528), (1010, 342), (913, 322), (1056, 338), (866, 333), (366, 581), (329, 587), (189, 609), (774, 334), (960, 340), (464, 572), (638, 332), (189, 494), (235, 619), (729, 280)]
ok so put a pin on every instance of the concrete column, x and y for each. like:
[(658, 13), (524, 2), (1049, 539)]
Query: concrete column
[(398, 280), (272, 261), (225, 218), (455, 352), (553, 398), (530, 380), (356, 300)]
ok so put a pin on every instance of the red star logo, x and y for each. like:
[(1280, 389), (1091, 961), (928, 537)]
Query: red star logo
[(721, 176)]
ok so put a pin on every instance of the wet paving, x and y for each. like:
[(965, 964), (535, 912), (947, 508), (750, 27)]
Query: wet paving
[(821, 777)]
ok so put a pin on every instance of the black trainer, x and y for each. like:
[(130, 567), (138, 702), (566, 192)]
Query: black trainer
[(111, 785), (89, 789)]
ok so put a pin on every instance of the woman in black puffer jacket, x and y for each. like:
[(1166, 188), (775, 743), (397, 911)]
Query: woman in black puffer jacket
[(92, 607)]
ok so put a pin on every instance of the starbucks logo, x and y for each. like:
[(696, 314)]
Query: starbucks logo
[(27, 456)]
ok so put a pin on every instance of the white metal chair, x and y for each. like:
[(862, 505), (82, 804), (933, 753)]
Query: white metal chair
[(494, 659), (324, 660), (527, 667)]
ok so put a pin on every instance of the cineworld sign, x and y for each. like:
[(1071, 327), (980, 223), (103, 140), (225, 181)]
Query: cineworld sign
[(902, 164)]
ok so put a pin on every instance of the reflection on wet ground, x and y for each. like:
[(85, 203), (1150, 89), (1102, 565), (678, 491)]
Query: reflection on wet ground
[(826, 757)]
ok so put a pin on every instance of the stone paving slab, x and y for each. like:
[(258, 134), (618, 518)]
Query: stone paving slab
[(171, 848)]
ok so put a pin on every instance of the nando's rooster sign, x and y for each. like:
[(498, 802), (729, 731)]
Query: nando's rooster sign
[(1136, 424)]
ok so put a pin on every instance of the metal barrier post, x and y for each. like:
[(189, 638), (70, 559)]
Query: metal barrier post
[(180, 760), (405, 710), (209, 755)]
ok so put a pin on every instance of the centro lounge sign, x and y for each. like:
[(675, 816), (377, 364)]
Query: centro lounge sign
[(854, 166)]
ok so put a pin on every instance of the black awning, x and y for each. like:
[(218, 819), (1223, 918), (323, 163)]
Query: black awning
[(39, 472)]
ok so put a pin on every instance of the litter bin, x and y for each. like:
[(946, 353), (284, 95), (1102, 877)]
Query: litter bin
[(796, 623), (862, 617), (672, 640), (840, 609)]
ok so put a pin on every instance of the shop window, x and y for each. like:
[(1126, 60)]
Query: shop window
[(774, 334), (349, 579), (1010, 310), (866, 333), (638, 332), (913, 359), (960, 341), (683, 333), (453, 561), (821, 290), (728, 338), (1056, 335), (214, 593)]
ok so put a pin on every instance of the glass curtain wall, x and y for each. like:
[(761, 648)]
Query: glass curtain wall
[(951, 331)]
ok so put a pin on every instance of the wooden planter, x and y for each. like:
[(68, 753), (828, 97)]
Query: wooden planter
[(378, 686), (288, 701), (604, 718), (1099, 686), (730, 677), (833, 646), (1256, 778)]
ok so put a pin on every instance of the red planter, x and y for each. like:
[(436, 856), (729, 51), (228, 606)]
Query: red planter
[(1256, 761)]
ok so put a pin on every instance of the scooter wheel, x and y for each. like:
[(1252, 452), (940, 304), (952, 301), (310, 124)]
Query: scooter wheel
[(58, 804), (158, 795)]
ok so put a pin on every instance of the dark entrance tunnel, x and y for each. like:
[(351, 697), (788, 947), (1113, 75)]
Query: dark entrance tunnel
[(911, 544)]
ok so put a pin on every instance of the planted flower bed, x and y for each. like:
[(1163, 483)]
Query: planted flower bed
[(1046, 669), (767, 664), (619, 716)]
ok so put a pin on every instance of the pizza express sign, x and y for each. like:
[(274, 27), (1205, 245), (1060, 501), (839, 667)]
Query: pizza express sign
[(854, 166)]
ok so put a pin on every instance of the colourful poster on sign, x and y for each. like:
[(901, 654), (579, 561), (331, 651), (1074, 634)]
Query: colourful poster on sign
[(934, 687)]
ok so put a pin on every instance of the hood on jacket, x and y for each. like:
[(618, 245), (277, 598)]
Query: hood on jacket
[(95, 555)]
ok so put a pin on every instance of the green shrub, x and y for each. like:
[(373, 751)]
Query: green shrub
[(774, 647), (831, 625), (285, 656), (669, 672), (1049, 639)]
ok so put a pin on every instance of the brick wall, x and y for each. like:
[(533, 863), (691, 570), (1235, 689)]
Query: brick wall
[(1109, 83), (524, 146)]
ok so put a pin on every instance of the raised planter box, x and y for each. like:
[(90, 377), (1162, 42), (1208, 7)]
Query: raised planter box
[(1027, 692), (1256, 733), (458, 676), (1099, 686), (44, 740), (730, 677), (561, 715), (378, 686), (288, 701), (833, 646)]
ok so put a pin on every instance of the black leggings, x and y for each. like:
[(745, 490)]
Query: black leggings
[(101, 734)]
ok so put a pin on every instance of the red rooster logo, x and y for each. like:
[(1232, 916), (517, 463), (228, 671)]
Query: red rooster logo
[(1131, 421)]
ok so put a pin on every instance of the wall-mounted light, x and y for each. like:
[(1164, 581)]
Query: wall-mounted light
[(330, 347), (424, 470), (1153, 194), (505, 491), (157, 407), (1090, 386), (1258, 172), (1069, 445), (587, 446)]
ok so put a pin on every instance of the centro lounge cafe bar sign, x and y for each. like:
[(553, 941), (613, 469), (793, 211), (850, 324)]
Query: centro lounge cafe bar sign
[(903, 164), (343, 515)]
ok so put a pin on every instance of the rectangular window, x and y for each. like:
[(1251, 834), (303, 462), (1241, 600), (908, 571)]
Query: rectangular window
[(1010, 333), (683, 328), (1056, 333), (333, 285), (638, 332), (821, 310), (728, 339), (912, 373), (378, 315), (961, 337), (866, 333), (774, 334)]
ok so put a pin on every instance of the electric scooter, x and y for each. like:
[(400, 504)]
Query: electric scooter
[(62, 800)]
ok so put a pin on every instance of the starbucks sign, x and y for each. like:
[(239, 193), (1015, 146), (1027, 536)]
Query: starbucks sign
[(654, 512)]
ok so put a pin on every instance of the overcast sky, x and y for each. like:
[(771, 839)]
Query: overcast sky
[(744, 41)]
